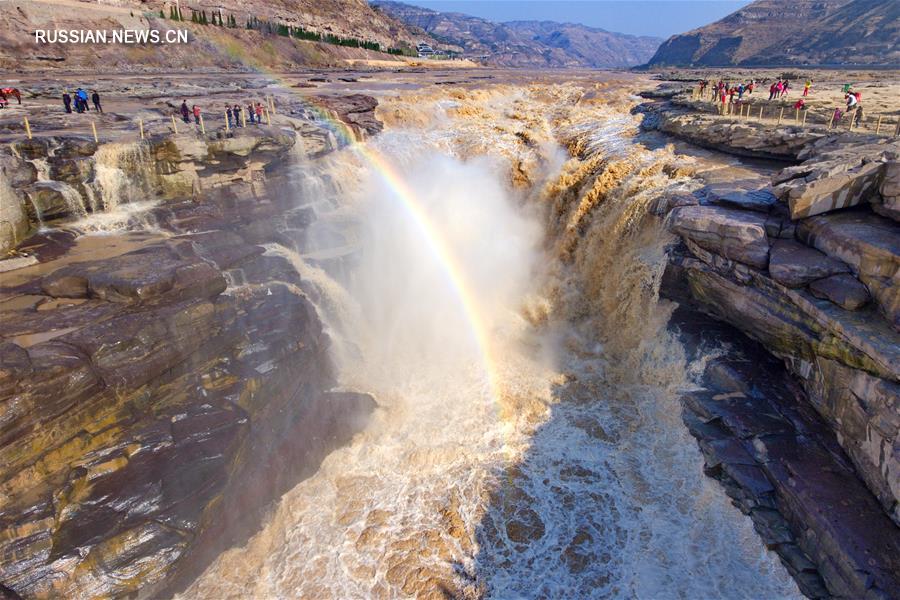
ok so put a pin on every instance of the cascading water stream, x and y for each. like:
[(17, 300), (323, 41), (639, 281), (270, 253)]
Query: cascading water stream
[(579, 479), (117, 193)]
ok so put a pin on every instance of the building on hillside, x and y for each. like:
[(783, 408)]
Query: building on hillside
[(424, 50)]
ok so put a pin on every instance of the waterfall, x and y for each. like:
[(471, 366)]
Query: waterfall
[(121, 173), (119, 190), (529, 440)]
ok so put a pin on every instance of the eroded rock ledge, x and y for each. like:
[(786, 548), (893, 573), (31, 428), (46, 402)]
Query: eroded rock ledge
[(807, 264), (155, 400)]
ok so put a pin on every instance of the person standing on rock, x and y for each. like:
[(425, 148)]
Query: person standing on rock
[(83, 99), (196, 111), (806, 87), (229, 115), (251, 112), (67, 101), (259, 113), (772, 91), (185, 112), (238, 121), (95, 98)]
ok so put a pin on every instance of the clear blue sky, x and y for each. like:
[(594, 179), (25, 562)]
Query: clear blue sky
[(660, 18)]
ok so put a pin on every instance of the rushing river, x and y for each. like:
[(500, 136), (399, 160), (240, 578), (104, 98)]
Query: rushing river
[(504, 314)]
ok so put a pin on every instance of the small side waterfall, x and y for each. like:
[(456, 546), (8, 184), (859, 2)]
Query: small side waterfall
[(121, 172)]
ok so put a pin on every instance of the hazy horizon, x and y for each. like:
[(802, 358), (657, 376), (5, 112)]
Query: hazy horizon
[(667, 17)]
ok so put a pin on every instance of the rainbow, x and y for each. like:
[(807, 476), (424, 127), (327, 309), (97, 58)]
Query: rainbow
[(436, 243), (445, 256)]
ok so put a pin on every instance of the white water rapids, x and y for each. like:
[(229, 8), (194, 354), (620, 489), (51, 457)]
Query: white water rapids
[(579, 482)]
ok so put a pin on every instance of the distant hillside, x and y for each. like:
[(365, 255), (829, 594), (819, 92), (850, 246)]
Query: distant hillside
[(211, 47), (793, 32), (526, 43)]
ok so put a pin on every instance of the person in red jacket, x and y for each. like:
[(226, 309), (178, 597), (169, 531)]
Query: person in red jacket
[(259, 112), (12, 92), (196, 112)]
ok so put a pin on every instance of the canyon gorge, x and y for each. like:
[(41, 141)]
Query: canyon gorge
[(453, 335)]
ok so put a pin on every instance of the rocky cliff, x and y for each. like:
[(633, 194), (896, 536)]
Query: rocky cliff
[(210, 47), (802, 32), (526, 43), (808, 264), (158, 387)]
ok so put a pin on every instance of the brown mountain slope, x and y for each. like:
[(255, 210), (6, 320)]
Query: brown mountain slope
[(526, 43), (793, 32), (210, 47)]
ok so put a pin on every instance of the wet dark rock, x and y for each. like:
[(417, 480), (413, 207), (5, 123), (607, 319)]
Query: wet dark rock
[(844, 290), (15, 366), (786, 470), (796, 265), (49, 200), (145, 275), (745, 195)]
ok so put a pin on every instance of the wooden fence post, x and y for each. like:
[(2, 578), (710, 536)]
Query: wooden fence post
[(227, 125), (805, 113), (27, 128), (272, 103), (94, 128), (174, 124), (243, 118), (878, 126), (760, 112), (897, 130), (141, 126), (202, 127), (780, 116), (797, 115), (831, 122), (268, 121)]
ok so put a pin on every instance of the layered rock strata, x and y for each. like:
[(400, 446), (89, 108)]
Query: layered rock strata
[(781, 464), (806, 264), (158, 389)]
